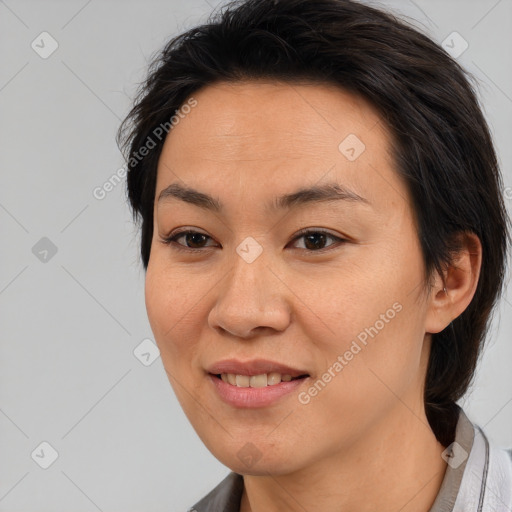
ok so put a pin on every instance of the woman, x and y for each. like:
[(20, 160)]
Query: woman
[(324, 239)]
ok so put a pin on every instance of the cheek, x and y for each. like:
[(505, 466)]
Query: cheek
[(166, 307), (368, 381), (170, 314), (374, 345), (175, 304), (168, 296), (157, 297)]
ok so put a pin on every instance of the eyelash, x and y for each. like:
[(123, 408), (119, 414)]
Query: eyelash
[(171, 240)]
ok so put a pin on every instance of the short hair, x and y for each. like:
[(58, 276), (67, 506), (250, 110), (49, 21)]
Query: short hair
[(441, 143)]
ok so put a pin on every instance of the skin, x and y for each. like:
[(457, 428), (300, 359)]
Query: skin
[(362, 443)]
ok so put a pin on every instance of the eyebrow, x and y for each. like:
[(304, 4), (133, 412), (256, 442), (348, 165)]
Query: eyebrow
[(318, 193)]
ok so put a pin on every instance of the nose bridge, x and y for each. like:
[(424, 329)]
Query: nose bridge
[(250, 296), (248, 282)]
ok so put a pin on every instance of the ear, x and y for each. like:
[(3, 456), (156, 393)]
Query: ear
[(453, 292)]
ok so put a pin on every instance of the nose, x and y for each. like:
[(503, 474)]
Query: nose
[(251, 300)]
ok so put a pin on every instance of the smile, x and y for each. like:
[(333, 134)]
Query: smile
[(254, 391), (256, 381)]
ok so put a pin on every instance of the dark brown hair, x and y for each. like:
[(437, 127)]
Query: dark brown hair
[(442, 146)]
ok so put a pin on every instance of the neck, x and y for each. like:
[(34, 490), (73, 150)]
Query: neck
[(396, 466)]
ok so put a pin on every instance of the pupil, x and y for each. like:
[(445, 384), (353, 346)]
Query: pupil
[(190, 236), (313, 241), (311, 237)]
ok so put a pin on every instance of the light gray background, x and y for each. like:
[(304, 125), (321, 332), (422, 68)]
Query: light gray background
[(69, 326)]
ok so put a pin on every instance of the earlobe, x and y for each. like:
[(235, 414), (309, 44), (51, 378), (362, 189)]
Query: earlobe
[(453, 293)]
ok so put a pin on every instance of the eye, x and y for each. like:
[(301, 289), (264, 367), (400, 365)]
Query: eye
[(195, 238), (314, 240)]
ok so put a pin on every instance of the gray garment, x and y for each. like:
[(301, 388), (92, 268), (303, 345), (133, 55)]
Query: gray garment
[(478, 478)]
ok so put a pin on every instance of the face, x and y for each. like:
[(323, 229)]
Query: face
[(340, 306)]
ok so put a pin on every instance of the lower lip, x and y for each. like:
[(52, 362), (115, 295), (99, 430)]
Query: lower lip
[(253, 397)]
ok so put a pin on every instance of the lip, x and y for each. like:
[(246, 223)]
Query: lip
[(253, 397), (253, 367)]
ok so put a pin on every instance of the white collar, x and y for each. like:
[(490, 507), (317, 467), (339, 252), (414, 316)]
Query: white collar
[(487, 482)]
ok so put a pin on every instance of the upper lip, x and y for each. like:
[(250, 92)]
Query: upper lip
[(253, 367)]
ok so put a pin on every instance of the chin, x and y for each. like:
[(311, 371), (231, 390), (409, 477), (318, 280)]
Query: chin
[(260, 468), (251, 460)]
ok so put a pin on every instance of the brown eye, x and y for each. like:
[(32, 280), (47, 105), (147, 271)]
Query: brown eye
[(315, 240), (193, 240)]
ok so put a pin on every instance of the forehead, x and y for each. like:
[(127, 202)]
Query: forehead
[(275, 136), (278, 114)]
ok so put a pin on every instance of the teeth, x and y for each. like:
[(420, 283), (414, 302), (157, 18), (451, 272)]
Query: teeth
[(273, 378), (242, 381), (258, 381), (255, 381)]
